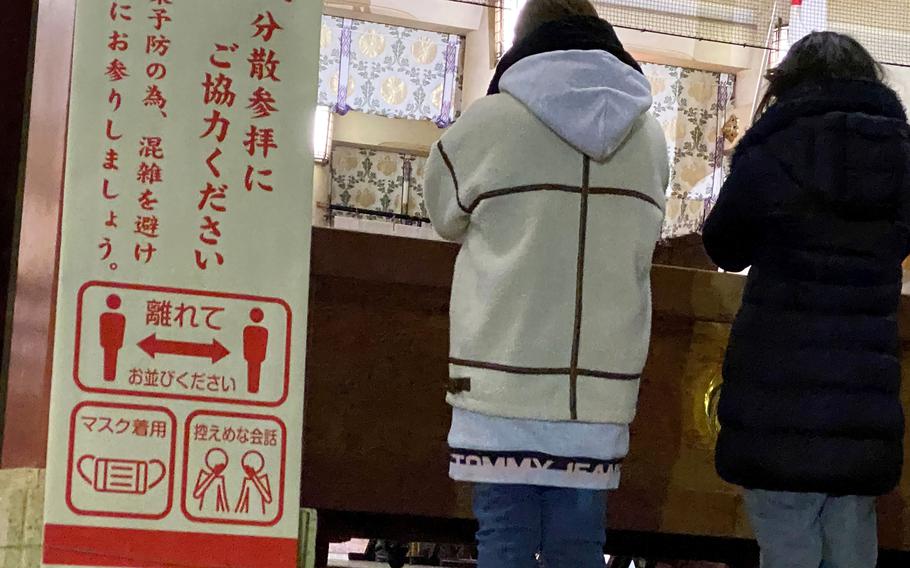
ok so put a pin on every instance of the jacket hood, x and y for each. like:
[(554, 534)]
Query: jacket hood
[(591, 99), (845, 141)]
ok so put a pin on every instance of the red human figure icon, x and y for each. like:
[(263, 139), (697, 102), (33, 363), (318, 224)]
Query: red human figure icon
[(255, 347), (112, 328), (211, 478), (253, 465)]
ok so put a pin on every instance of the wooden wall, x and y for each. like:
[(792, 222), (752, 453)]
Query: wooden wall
[(376, 420), (15, 43), (31, 332)]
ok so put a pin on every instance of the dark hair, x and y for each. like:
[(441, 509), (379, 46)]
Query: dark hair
[(820, 57), (538, 12)]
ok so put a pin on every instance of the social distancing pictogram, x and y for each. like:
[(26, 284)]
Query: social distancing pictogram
[(185, 344), (157, 343)]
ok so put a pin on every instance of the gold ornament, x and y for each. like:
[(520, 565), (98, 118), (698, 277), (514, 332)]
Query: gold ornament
[(394, 91), (437, 97), (371, 44), (701, 91), (325, 37), (731, 129), (387, 165), (364, 197), (424, 50), (348, 163), (712, 398), (658, 85)]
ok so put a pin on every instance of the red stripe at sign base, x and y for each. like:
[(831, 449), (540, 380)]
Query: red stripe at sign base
[(130, 548)]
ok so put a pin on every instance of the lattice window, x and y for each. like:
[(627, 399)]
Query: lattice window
[(505, 15), (883, 26)]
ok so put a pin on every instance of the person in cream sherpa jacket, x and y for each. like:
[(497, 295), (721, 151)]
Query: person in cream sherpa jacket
[(555, 187)]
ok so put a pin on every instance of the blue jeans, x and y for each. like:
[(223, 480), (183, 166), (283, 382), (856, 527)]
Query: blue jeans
[(566, 526), (810, 530)]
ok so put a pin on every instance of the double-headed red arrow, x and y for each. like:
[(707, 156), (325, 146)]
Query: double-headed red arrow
[(154, 346)]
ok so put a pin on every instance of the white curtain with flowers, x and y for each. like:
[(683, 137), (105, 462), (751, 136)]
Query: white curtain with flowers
[(691, 105), (365, 180), (390, 71)]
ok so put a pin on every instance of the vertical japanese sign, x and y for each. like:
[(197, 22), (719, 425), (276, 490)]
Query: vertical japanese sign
[(177, 399)]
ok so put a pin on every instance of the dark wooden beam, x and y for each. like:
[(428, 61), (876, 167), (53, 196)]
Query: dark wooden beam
[(17, 23)]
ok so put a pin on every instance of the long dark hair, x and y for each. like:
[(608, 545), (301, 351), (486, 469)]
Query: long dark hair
[(817, 58)]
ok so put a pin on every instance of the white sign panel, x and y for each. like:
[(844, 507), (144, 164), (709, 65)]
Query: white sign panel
[(177, 399)]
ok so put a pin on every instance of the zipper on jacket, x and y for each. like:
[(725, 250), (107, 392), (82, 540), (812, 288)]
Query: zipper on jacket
[(579, 287)]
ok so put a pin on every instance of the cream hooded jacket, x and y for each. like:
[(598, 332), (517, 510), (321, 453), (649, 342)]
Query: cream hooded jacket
[(556, 190)]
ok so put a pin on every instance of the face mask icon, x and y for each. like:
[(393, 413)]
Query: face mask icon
[(131, 477)]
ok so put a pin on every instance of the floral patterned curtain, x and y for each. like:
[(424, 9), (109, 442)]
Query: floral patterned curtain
[(691, 105), (390, 71), (390, 184)]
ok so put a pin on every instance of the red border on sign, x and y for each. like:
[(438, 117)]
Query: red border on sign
[(222, 295), (67, 545), (70, 461), (186, 456)]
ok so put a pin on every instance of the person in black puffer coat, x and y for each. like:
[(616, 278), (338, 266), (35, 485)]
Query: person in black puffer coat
[(818, 205)]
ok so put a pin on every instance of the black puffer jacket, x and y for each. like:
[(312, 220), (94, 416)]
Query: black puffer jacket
[(818, 204)]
